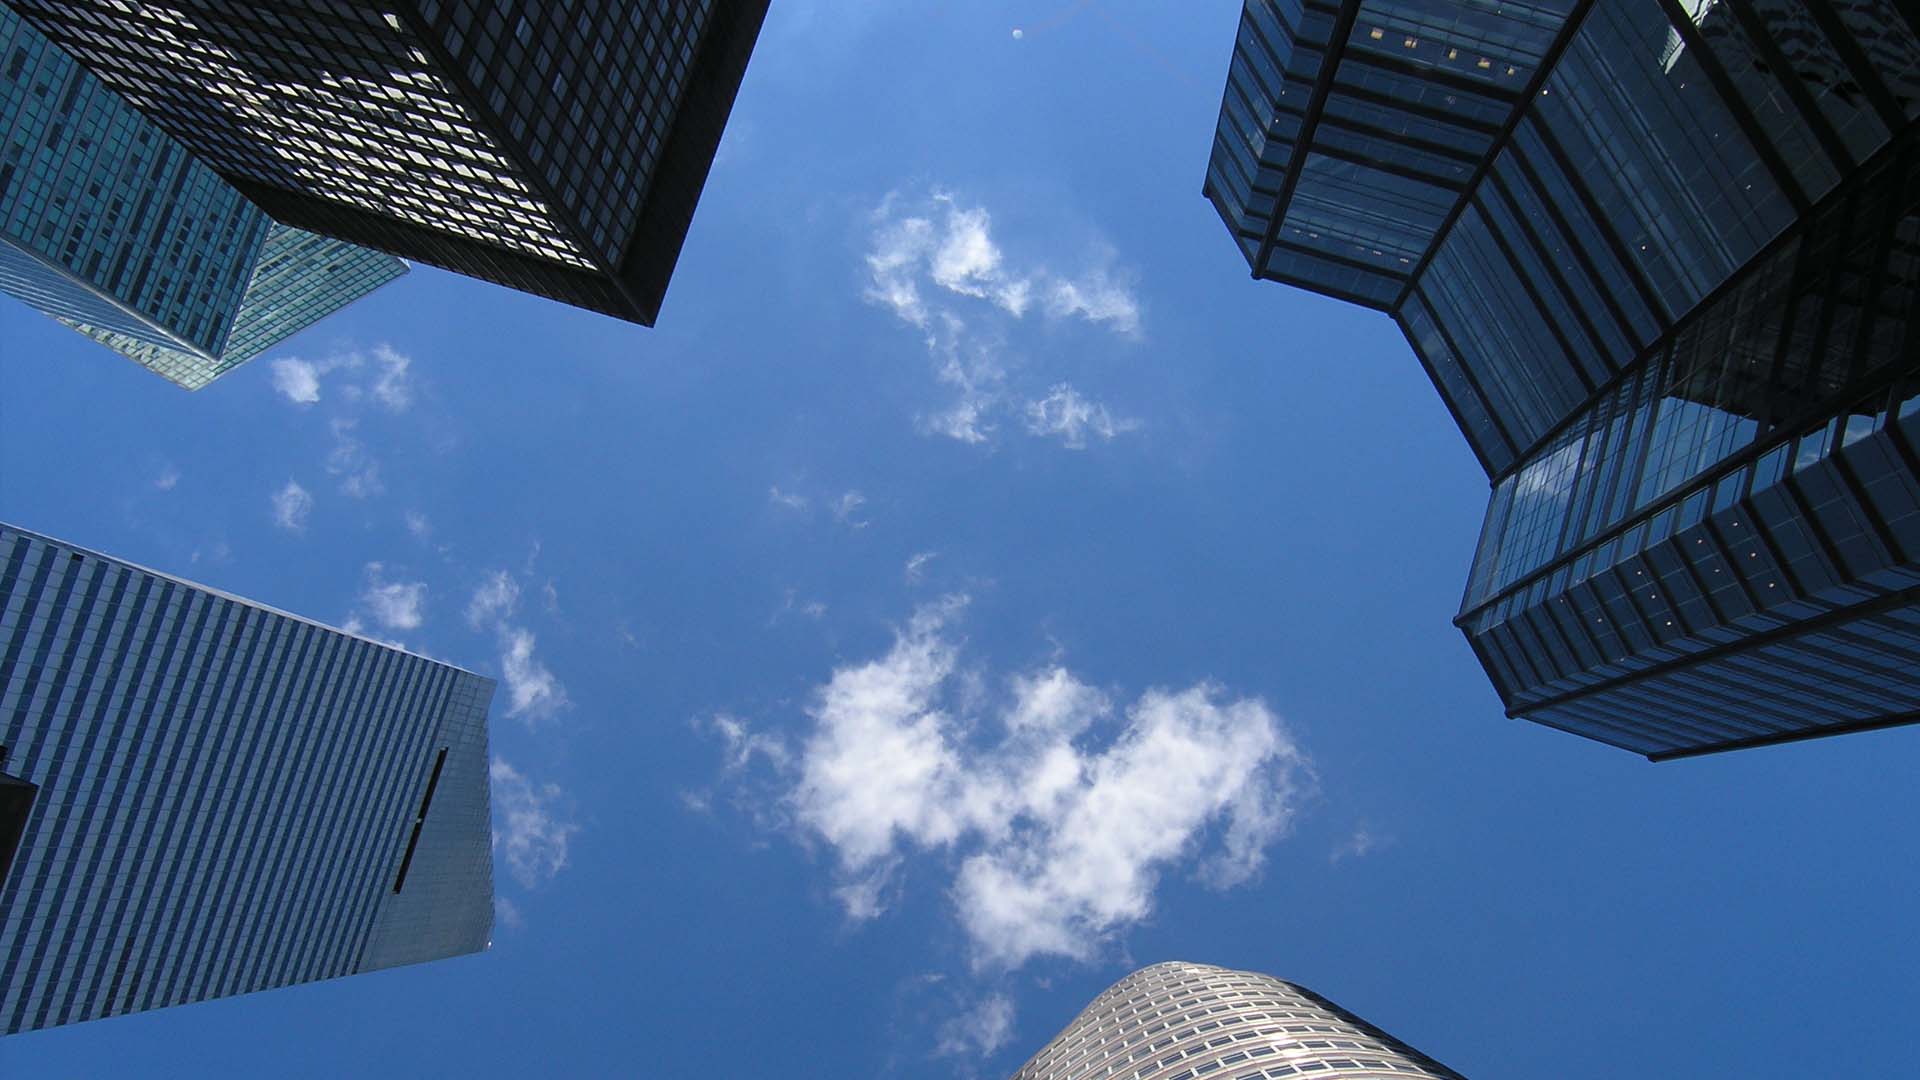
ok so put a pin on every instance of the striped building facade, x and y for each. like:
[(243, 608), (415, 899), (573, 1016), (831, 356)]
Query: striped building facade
[(231, 798)]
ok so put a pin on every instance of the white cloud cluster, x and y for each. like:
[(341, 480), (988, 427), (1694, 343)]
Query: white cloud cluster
[(349, 460), (292, 505), (534, 694), (1056, 839), (300, 381), (531, 831), (979, 1031), (393, 605), (1065, 415), (925, 262)]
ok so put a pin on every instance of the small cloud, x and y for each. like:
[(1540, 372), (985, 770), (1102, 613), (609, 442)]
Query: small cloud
[(418, 526), (168, 479), (1069, 417), (846, 507), (530, 828), (359, 473), (506, 914), (297, 380), (291, 507), (786, 499), (979, 1031), (1097, 298), (533, 694), (1362, 843), (917, 566), (550, 598), (395, 605), (494, 600), (390, 386)]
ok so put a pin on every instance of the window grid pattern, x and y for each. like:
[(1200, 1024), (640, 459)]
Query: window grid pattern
[(225, 791), (1180, 1021), (554, 148), (109, 221)]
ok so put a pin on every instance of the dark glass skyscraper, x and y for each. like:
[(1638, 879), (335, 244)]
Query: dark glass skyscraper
[(230, 798), (1179, 1021), (554, 148), (112, 227), (1661, 258)]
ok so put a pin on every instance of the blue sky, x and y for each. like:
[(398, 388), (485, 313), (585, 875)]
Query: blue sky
[(974, 588)]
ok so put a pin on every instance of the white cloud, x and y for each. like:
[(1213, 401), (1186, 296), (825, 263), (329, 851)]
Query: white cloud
[(168, 479), (787, 499), (979, 1031), (395, 605), (418, 526), (291, 507), (846, 507), (297, 379), (1362, 843), (927, 262), (533, 694), (530, 831), (1069, 417), (1056, 839), (391, 387), (506, 914), (359, 473), (916, 570), (493, 601)]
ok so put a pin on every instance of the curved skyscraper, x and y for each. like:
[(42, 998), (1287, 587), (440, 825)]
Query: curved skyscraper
[(1181, 1021)]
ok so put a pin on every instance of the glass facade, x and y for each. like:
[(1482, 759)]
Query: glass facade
[(1678, 274), (231, 798), (112, 227), (557, 149), (1179, 1021)]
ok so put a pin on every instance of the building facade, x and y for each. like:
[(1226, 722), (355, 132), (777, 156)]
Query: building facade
[(554, 148), (1661, 259), (230, 798), (1180, 1021), (112, 227)]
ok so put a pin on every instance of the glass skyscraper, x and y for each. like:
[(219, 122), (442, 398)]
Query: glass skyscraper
[(112, 227), (231, 798), (1179, 1021), (1661, 259), (554, 148)]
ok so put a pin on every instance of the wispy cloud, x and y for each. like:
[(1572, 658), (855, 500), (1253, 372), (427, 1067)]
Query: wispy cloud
[(1055, 837), (301, 381), (534, 694), (506, 914), (1362, 843), (846, 510), (292, 505), (786, 499), (168, 479), (1065, 415), (934, 263), (531, 827), (979, 1031), (349, 460), (393, 605), (494, 600), (418, 526), (916, 569)]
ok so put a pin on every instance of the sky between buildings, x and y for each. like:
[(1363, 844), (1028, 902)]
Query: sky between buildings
[(975, 588)]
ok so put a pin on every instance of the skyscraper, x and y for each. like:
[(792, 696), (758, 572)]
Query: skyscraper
[(116, 230), (231, 798), (1661, 259), (554, 148), (1179, 1021)]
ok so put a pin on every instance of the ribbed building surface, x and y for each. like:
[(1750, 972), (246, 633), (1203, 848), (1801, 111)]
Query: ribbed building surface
[(1180, 1021), (230, 798), (554, 148), (1661, 259)]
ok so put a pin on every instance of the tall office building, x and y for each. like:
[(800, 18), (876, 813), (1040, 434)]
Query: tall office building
[(1179, 1021), (1661, 259), (230, 798), (116, 230), (554, 148)]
